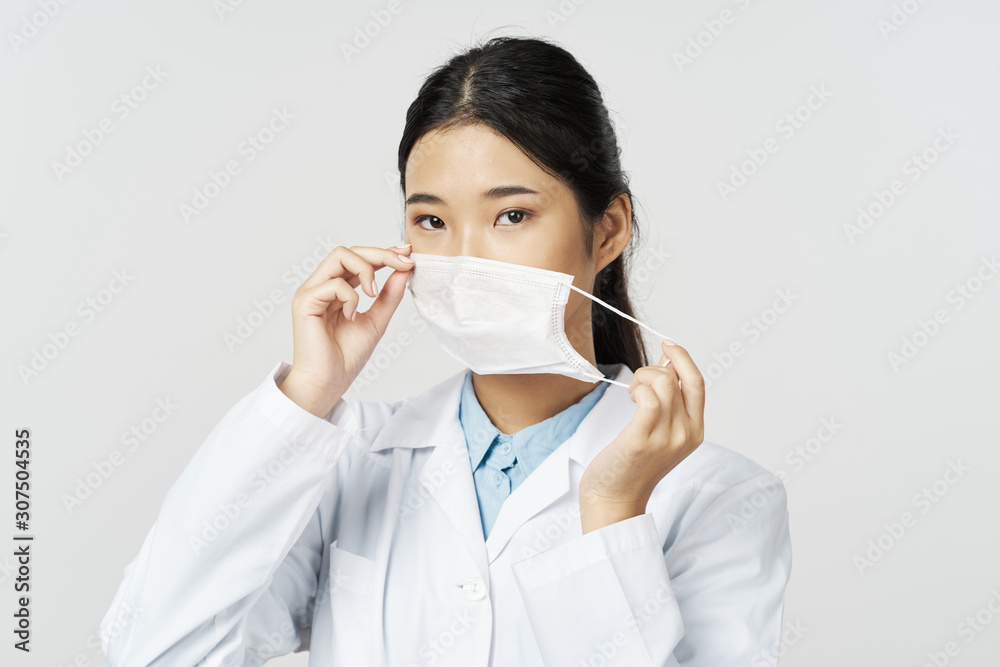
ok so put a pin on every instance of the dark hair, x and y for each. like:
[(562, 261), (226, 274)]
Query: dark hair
[(539, 97)]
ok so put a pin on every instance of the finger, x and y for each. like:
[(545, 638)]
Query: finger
[(647, 412), (388, 299), (646, 374), (692, 382), (357, 265), (318, 299)]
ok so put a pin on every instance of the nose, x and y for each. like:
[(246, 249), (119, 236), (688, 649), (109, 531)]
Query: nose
[(467, 242)]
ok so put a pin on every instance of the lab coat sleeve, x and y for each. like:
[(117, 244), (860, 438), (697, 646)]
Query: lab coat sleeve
[(227, 574), (620, 596)]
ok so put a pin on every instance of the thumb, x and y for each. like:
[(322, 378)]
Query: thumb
[(647, 411), (388, 299)]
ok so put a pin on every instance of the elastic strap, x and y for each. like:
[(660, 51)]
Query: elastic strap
[(627, 317)]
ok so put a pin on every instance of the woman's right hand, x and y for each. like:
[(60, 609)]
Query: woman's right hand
[(332, 341)]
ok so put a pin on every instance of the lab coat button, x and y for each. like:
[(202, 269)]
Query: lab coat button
[(474, 589)]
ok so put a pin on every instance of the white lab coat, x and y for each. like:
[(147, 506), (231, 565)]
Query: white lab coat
[(357, 537)]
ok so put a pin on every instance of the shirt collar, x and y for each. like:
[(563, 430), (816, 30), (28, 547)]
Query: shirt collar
[(480, 432)]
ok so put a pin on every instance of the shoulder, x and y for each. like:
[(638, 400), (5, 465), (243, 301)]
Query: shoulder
[(716, 485)]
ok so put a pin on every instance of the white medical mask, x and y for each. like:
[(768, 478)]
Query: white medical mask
[(501, 318)]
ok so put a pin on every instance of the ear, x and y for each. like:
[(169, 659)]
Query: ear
[(612, 233)]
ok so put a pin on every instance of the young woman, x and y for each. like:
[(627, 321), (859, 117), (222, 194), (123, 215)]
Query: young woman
[(552, 504)]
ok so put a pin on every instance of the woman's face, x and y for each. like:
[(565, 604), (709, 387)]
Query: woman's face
[(470, 191)]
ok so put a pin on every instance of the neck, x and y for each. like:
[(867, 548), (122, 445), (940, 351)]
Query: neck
[(515, 402)]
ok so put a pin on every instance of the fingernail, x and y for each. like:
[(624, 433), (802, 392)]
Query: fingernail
[(404, 258), (354, 314), (374, 288), (665, 363), (403, 247), (667, 341)]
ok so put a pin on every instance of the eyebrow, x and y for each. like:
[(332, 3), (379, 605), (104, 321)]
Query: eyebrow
[(498, 192)]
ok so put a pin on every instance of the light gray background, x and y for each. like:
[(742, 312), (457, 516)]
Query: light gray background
[(331, 174)]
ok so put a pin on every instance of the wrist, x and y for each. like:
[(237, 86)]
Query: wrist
[(307, 396), (595, 514)]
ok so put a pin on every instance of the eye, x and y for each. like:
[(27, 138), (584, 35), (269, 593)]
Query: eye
[(422, 217), (522, 216)]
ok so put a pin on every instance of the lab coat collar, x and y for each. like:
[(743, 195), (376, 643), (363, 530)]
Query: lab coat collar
[(422, 420), (431, 420)]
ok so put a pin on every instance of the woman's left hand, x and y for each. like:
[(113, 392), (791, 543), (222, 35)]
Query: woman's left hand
[(669, 424)]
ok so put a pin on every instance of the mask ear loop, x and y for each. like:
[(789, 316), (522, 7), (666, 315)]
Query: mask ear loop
[(627, 317)]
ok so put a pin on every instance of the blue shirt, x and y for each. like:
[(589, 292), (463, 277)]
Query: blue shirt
[(500, 461)]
